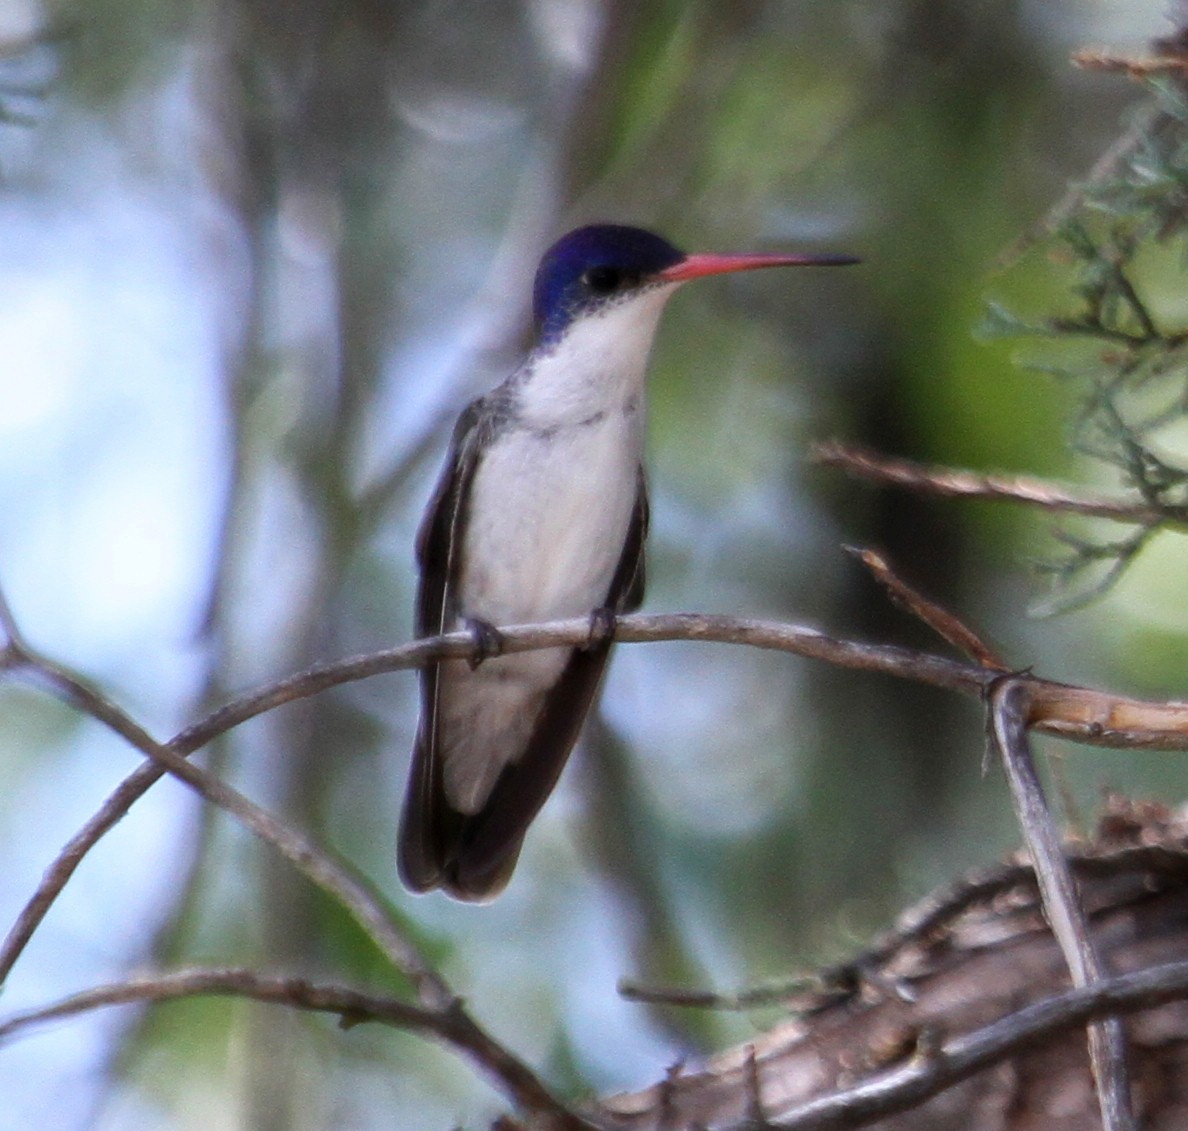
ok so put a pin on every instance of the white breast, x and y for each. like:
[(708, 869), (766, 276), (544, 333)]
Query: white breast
[(548, 519), (552, 498)]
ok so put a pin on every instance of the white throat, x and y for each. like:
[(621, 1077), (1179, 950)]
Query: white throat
[(597, 366)]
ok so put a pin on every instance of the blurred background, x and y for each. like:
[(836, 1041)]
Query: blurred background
[(257, 254)]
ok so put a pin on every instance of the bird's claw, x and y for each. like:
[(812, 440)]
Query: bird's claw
[(488, 641), (602, 627)]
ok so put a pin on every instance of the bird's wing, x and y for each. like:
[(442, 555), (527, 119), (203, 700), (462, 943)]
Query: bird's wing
[(627, 589), (439, 535), (425, 819)]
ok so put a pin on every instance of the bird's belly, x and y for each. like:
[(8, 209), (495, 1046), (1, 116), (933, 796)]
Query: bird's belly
[(548, 517)]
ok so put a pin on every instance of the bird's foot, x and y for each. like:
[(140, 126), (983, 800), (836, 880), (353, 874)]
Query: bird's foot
[(602, 627), (488, 641)]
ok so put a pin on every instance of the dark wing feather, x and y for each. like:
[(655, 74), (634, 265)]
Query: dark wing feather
[(425, 824), (627, 589)]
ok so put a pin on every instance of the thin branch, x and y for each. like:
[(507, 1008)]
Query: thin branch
[(939, 619), (455, 645), (365, 903), (1161, 62), (1007, 701), (878, 1096), (91, 702), (1068, 711), (449, 1024), (59, 873), (351, 890), (351, 1005), (575, 631), (1074, 713), (953, 483), (367, 906)]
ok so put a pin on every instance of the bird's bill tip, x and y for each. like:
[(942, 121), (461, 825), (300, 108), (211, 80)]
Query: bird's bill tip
[(698, 266)]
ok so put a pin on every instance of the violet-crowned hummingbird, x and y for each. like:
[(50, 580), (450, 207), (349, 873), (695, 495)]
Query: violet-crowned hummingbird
[(540, 513)]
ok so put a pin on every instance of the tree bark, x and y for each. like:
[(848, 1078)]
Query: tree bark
[(971, 955)]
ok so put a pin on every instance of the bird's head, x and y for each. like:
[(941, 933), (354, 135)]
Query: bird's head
[(591, 267)]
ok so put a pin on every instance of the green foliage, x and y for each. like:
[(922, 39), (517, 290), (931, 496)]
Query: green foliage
[(1121, 240)]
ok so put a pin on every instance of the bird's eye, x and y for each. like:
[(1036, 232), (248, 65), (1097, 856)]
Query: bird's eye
[(602, 280)]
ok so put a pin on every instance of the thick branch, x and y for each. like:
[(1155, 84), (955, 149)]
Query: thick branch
[(935, 1069), (897, 1089), (971, 978)]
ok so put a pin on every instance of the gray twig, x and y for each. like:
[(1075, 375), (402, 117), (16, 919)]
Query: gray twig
[(1007, 700), (450, 1024)]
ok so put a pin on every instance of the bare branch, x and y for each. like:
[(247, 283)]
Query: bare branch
[(1068, 711), (355, 893), (575, 631), (58, 874), (888, 1092), (940, 620), (352, 1007), (1072, 712), (449, 1024), (12, 646), (352, 891), (925, 918), (956, 967), (953, 483), (1007, 729), (1077, 714), (1133, 66), (805, 641)]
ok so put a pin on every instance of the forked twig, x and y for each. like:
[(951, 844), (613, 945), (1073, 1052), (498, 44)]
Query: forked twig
[(944, 623)]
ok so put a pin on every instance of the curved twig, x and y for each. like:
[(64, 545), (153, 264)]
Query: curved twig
[(451, 1024), (1074, 713)]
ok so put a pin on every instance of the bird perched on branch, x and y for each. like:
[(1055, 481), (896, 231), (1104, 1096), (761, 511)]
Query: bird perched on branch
[(540, 513)]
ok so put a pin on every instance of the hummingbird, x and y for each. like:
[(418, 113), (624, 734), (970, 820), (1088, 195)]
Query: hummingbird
[(540, 513)]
